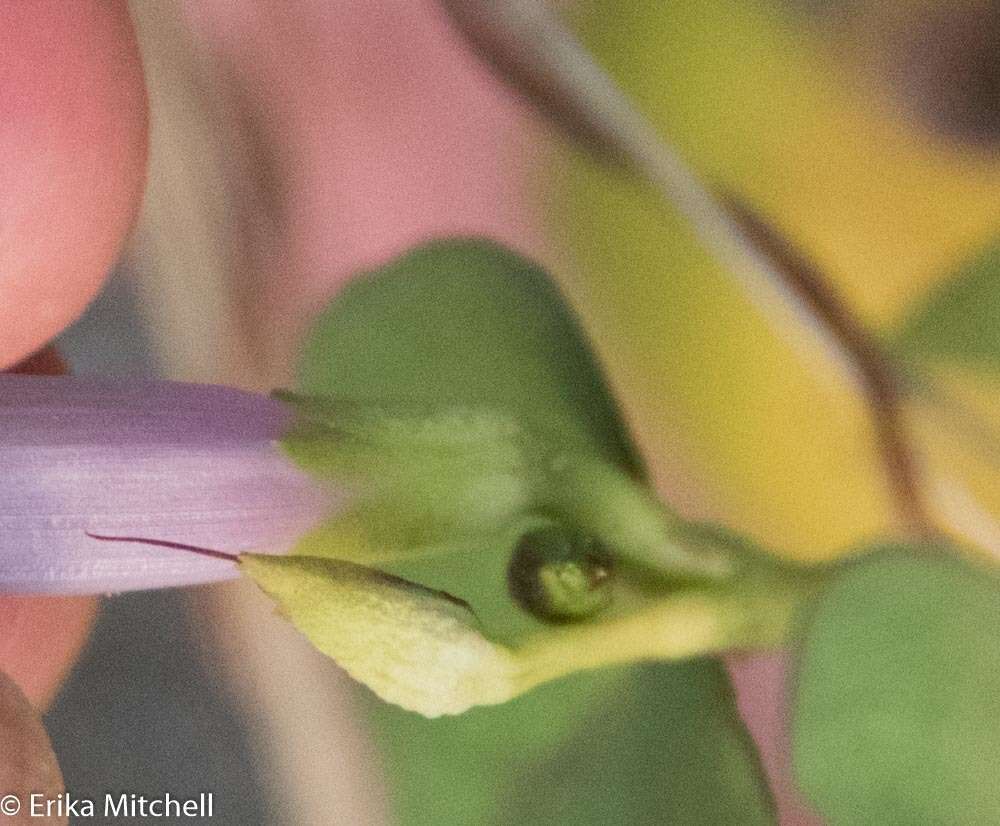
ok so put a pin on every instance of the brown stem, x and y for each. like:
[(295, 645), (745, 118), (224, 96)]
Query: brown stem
[(878, 378)]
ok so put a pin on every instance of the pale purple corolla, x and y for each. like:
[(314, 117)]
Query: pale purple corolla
[(194, 464)]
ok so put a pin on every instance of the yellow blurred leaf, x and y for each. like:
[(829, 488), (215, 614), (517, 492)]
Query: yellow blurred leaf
[(780, 442)]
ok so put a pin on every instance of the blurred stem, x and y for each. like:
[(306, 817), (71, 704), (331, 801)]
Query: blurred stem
[(878, 377), (757, 607), (534, 52), (977, 435)]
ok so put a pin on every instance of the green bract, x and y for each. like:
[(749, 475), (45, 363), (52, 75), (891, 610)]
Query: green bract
[(424, 650), (497, 476)]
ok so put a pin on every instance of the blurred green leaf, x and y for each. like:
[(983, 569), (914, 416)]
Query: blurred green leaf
[(897, 711), (959, 320), (645, 746), (458, 323), (468, 323)]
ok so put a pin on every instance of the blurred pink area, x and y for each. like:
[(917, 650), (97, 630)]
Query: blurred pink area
[(762, 684), (385, 130)]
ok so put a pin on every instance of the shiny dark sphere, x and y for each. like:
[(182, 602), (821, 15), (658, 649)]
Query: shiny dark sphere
[(559, 576)]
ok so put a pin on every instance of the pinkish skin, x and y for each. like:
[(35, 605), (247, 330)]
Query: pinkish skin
[(391, 132)]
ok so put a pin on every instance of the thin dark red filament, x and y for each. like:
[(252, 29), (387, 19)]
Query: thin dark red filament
[(164, 543)]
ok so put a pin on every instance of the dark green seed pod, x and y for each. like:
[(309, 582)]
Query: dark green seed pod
[(559, 576)]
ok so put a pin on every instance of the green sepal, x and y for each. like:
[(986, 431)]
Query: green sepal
[(428, 479), (424, 480), (426, 651)]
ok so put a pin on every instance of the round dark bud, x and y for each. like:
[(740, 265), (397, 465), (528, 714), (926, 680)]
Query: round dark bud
[(560, 576)]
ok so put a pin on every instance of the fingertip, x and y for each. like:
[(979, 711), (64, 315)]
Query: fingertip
[(73, 138), (41, 640)]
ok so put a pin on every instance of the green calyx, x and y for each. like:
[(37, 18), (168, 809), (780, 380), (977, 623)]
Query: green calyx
[(602, 571), (431, 479), (426, 651)]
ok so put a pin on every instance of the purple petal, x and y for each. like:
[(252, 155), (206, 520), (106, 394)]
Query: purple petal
[(185, 463)]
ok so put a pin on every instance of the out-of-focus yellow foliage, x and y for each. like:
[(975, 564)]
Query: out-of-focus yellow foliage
[(779, 442)]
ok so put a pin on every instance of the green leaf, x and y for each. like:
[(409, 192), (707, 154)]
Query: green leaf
[(465, 323), (897, 709), (959, 321), (655, 744)]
